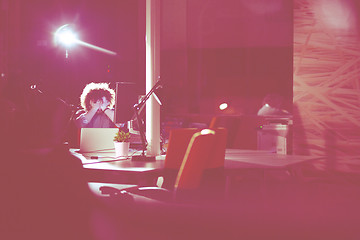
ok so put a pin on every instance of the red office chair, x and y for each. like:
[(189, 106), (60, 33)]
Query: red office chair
[(205, 151), (197, 157), (195, 160), (178, 143), (214, 179)]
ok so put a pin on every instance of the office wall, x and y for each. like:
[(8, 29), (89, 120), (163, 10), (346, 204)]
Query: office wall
[(233, 50), (327, 80)]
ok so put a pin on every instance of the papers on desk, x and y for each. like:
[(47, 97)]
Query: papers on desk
[(100, 156)]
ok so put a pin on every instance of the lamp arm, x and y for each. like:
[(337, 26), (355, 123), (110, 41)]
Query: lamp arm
[(141, 128), (147, 96), (137, 108)]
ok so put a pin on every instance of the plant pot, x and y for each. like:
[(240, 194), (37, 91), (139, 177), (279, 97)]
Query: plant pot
[(121, 149)]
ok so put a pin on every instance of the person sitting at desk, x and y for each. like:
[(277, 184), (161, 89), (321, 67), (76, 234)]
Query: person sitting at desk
[(97, 101)]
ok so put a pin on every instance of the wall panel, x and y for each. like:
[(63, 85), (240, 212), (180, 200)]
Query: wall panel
[(326, 77)]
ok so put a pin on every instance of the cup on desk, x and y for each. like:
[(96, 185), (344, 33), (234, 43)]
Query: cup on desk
[(121, 149)]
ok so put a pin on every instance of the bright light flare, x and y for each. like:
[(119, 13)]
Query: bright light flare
[(223, 106), (68, 38), (64, 35)]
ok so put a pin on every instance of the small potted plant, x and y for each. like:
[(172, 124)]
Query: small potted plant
[(122, 143)]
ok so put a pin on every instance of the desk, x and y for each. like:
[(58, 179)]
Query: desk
[(238, 162), (125, 171), (242, 159), (120, 170)]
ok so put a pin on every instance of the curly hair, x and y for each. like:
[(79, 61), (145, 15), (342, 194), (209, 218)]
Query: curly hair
[(94, 92)]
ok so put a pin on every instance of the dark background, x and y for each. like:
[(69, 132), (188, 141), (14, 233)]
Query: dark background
[(211, 51)]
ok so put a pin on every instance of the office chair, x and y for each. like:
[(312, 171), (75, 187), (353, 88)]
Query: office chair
[(178, 143), (203, 159)]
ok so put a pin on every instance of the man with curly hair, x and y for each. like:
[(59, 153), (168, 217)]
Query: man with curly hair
[(97, 101)]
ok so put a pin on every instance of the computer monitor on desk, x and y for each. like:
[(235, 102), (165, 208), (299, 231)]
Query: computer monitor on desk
[(125, 100)]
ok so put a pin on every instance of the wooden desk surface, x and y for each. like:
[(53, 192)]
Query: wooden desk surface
[(108, 169), (238, 158), (234, 159), (109, 162)]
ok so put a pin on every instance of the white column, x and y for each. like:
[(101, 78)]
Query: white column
[(152, 74)]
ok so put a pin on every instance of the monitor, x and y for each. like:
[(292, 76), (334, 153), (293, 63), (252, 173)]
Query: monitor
[(125, 100)]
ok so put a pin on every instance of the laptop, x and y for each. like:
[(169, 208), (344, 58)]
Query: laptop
[(97, 140)]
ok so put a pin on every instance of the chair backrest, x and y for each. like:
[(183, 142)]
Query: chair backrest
[(217, 157), (197, 154), (178, 142)]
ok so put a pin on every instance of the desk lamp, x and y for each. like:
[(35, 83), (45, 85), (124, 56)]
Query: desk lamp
[(140, 122)]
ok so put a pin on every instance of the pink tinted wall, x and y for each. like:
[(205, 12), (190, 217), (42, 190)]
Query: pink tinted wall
[(235, 51), (326, 81)]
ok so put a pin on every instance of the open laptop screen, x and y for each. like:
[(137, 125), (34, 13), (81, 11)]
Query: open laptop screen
[(97, 139)]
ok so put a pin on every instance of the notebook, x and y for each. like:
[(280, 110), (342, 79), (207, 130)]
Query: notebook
[(97, 140)]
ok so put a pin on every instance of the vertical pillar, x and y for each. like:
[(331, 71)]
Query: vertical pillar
[(152, 75)]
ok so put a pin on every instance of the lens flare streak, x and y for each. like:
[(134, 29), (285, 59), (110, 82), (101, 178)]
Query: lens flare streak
[(85, 44)]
